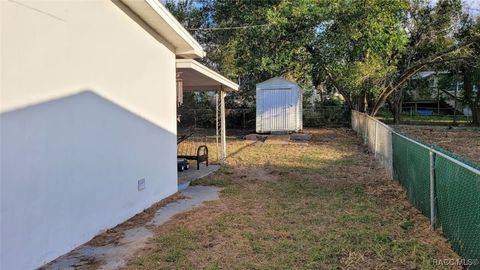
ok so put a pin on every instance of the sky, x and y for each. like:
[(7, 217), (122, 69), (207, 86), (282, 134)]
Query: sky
[(475, 6), (472, 5)]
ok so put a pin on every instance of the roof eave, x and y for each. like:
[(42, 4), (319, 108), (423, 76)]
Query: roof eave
[(277, 78), (192, 64), (166, 25)]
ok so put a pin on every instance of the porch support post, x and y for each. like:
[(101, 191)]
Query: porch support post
[(217, 128), (223, 135)]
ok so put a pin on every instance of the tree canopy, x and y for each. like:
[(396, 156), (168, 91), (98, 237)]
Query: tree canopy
[(367, 50)]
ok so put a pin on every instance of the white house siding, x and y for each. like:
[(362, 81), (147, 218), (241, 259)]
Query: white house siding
[(88, 109)]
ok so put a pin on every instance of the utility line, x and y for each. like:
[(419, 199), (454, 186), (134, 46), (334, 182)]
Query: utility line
[(239, 27), (228, 28)]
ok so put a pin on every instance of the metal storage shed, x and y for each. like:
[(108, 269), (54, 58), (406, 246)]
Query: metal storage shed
[(279, 106)]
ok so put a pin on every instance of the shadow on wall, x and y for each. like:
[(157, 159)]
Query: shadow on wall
[(73, 167)]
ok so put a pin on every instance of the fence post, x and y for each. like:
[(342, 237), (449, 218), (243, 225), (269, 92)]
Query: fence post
[(432, 190), (375, 141), (194, 118), (244, 124), (365, 134)]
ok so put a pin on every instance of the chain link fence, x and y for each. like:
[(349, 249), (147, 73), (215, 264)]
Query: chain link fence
[(377, 136), (443, 186), (205, 118), (411, 166), (458, 205), (325, 116)]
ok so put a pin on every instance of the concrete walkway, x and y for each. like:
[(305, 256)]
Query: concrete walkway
[(114, 256), (186, 177)]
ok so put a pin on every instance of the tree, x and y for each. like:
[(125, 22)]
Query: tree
[(371, 49), (367, 50), (470, 68), (356, 47), (251, 41)]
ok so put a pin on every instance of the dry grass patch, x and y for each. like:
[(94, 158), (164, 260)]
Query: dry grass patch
[(288, 206)]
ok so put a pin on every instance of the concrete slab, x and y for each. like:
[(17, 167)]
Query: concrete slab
[(278, 139), (196, 194), (114, 256), (300, 137), (251, 137), (280, 132), (186, 177), (255, 137)]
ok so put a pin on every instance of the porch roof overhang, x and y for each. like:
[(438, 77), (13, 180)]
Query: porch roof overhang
[(197, 77)]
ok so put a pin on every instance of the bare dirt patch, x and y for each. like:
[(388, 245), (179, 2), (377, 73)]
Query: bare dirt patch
[(464, 142)]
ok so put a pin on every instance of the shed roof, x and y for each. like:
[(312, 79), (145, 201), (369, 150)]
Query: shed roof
[(277, 80)]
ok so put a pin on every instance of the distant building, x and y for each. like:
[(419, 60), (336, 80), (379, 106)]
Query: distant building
[(436, 98)]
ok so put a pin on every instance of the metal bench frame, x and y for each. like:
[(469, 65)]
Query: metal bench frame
[(200, 157)]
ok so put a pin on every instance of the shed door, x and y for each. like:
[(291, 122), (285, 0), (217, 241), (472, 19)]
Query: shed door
[(276, 107)]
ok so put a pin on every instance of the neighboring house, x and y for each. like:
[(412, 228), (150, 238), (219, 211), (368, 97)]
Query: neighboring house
[(88, 119), (439, 95)]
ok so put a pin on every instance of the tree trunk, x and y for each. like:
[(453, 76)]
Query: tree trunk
[(396, 113), (476, 110), (395, 110), (396, 118), (363, 102), (342, 91), (322, 88), (471, 99), (476, 117)]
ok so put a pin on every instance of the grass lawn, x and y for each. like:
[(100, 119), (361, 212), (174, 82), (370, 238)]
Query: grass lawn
[(324, 205)]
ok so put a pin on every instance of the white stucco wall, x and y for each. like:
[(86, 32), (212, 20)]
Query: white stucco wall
[(88, 109)]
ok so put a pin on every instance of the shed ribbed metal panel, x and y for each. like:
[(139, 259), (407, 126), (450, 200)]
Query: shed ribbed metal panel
[(279, 106)]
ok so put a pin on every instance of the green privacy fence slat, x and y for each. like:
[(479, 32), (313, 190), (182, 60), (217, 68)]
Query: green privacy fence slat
[(458, 206), (411, 167)]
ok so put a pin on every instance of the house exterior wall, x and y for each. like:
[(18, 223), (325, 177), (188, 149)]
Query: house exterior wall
[(278, 106), (88, 109)]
